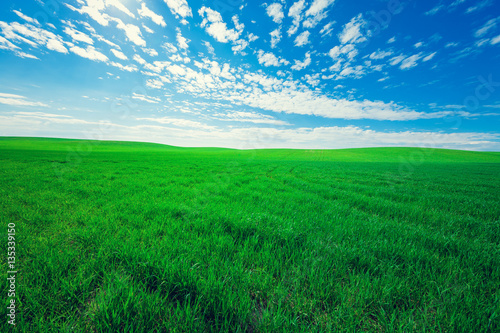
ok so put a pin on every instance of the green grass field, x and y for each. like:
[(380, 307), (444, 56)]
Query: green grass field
[(136, 237)]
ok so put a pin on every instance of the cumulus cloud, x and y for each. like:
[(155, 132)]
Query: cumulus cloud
[(269, 59), (181, 41), (351, 32), (317, 12), (275, 37), (299, 65), (144, 11), (275, 11), (216, 27), (150, 52), (302, 39), (93, 9), (295, 12), (179, 7), (127, 68), (132, 32)]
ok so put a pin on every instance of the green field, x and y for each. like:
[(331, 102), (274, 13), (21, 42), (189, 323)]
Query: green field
[(137, 237)]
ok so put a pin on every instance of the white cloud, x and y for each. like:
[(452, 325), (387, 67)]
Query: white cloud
[(78, 36), (352, 31), (150, 52), (132, 32), (123, 68), (429, 57), (148, 30), (312, 80), (481, 5), (249, 117), (26, 18), (209, 47), (26, 55), (435, 10), (56, 45), (295, 12), (495, 40), (146, 12), (239, 26), (299, 65), (139, 59), (180, 122), (348, 51), (302, 39), (249, 138), (18, 100), (154, 83), (327, 29), (252, 37), (169, 47), (89, 53), (181, 41), (13, 31), (179, 7), (275, 37), (269, 59), (391, 40), (149, 99), (178, 58), (239, 46), (119, 54), (42, 37), (5, 44), (215, 27), (410, 62), (397, 60), (418, 45), (275, 11), (317, 12), (118, 5), (380, 54), (490, 25), (93, 9)]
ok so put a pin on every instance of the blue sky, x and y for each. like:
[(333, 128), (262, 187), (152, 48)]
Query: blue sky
[(248, 74)]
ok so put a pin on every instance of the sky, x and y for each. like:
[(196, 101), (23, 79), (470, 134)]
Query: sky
[(311, 74)]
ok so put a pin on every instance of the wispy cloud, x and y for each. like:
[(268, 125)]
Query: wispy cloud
[(18, 100)]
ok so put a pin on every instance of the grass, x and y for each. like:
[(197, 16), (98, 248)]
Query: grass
[(135, 237)]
